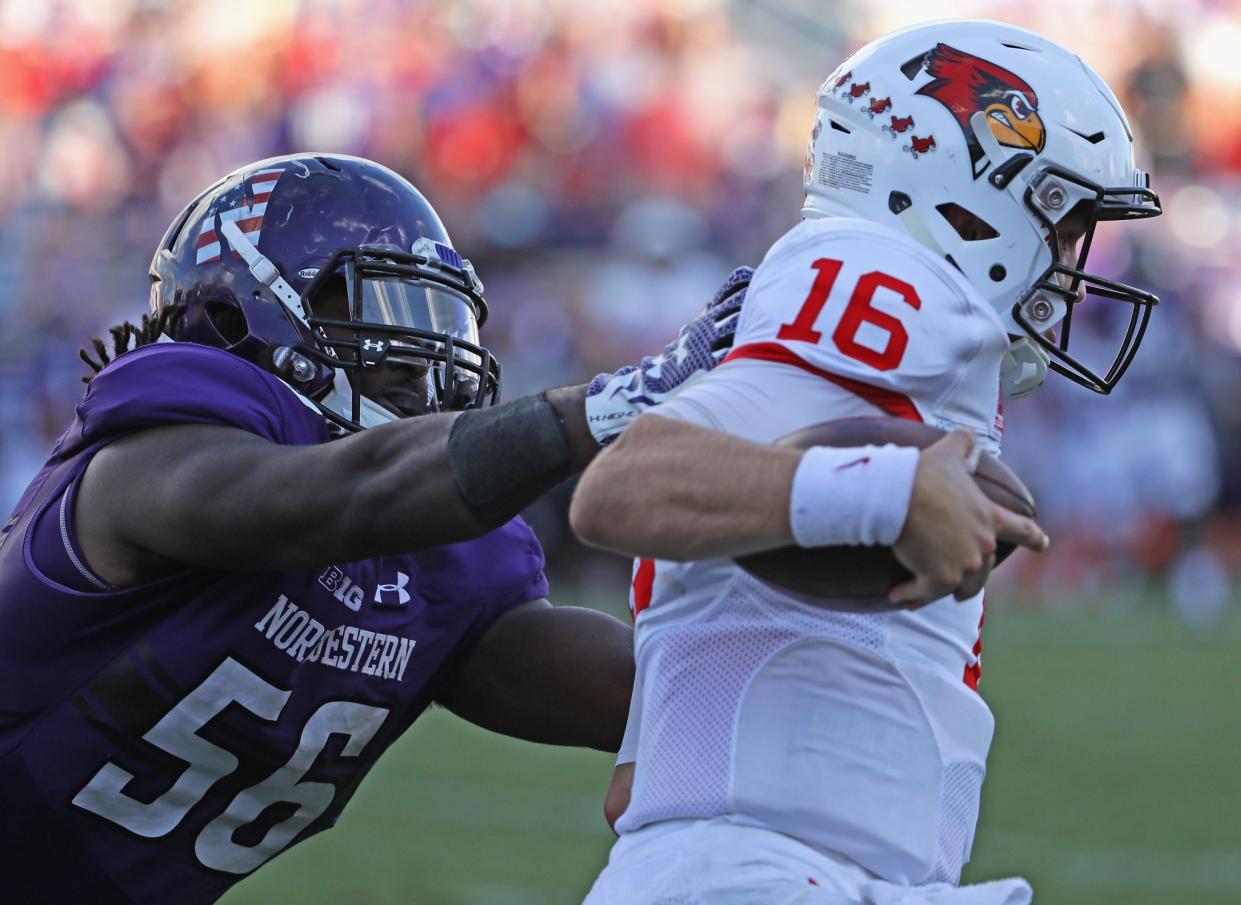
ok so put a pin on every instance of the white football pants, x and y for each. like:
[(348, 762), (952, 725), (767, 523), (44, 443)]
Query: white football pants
[(717, 862)]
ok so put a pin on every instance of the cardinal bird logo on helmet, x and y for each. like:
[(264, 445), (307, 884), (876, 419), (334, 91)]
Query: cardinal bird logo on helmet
[(966, 84)]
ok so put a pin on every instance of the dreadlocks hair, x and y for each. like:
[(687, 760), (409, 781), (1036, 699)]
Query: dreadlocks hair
[(147, 332)]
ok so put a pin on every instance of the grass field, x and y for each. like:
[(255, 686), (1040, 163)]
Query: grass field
[(1113, 781)]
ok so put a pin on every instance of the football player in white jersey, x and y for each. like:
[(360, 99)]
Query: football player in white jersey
[(785, 752)]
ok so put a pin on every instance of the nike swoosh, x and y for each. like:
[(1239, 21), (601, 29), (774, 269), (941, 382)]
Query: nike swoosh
[(865, 460)]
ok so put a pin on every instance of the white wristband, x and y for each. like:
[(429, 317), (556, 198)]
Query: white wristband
[(852, 495)]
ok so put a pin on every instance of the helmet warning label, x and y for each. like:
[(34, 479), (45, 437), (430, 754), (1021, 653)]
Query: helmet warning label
[(844, 171)]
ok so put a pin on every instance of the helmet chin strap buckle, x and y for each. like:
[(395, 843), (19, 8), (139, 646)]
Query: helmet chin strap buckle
[(263, 270)]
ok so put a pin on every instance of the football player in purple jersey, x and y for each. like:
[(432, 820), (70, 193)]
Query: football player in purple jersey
[(213, 620)]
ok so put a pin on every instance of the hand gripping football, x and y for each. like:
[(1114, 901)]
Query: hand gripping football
[(858, 578)]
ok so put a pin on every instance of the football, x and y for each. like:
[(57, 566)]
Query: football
[(858, 578)]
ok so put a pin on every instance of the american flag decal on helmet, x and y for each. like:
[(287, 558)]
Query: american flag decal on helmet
[(249, 218)]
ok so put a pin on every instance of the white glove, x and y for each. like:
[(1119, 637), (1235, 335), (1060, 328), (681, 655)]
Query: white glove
[(614, 400)]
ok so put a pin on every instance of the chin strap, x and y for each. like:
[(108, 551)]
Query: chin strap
[(913, 224), (263, 269), (340, 400), (1024, 368)]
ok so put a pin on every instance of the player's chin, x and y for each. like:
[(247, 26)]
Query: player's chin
[(405, 403)]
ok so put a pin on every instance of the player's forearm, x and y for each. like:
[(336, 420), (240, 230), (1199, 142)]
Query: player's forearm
[(225, 499), (678, 491), (570, 405), (556, 675), (399, 494), (620, 790), (431, 481), (222, 498)]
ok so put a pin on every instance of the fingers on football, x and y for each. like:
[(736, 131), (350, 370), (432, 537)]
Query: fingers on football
[(1017, 529), (962, 443), (932, 583), (918, 592), (974, 581), (927, 588)]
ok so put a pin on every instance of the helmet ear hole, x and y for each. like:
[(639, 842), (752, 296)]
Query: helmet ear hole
[(228, 320), (968, 225)]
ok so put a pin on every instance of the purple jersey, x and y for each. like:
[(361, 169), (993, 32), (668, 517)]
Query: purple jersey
[(158, 743)]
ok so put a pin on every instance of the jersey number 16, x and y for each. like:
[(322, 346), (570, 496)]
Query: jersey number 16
[(858, 311)]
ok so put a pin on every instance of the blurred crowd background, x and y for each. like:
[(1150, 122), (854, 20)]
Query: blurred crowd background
[(605, 165)]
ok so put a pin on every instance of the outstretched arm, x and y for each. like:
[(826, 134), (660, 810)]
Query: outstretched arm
[(557, 675), (223, 498)]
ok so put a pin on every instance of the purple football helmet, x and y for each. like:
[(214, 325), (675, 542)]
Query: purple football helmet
[(319, 267)]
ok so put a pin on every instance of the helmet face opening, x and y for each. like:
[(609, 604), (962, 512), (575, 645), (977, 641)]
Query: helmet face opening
[(1065, 286), (403, 330)]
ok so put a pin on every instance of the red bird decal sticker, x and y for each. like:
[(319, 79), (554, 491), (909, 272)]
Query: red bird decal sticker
[(878, 105), (966, 84), (899, 124), (857, 90), (918, 145)]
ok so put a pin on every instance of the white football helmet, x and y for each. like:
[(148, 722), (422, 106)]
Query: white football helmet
[(929, 125)]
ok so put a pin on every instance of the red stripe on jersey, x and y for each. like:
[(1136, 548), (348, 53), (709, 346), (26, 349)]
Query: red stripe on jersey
[(973, 671), (643, 585), (893, 403), (205, 238), (260, 197)]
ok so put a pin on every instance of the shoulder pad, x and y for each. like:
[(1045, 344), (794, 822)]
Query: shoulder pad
[(185, 383)]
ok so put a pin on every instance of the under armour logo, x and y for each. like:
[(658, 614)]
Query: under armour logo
[(374, 345), (393, 594)]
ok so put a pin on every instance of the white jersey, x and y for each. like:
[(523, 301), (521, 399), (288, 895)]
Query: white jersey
[(862, 735)]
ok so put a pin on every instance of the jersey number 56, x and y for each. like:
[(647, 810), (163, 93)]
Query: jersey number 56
[(177, 734)]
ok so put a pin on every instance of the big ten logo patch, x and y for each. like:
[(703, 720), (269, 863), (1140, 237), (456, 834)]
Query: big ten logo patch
[(342, 588)]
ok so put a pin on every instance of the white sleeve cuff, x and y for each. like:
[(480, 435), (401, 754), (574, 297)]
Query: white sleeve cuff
[(852, 495)]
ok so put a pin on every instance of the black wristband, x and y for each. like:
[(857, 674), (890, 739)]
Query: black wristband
[(507, 456)]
